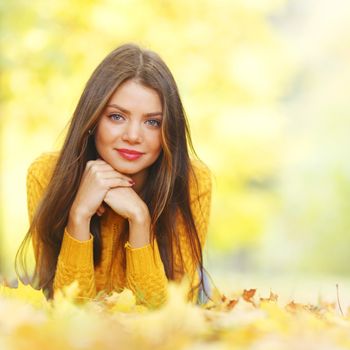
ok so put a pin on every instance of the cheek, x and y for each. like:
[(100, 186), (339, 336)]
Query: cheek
[(157, 143), (99, 141), (103, 135)]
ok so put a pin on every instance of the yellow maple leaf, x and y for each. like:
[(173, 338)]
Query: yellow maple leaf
[(125, 301), (25, 293)]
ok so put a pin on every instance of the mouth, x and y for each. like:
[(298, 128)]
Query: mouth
[(129, 154)]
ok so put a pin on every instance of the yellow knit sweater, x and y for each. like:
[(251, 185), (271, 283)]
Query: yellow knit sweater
[(144, 273)]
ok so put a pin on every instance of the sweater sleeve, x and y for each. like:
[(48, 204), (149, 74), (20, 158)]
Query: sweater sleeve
[(145, 275), (76, 263), (75, 260)]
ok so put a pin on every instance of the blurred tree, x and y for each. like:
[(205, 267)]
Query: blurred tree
[(314, 180), (231, 67)]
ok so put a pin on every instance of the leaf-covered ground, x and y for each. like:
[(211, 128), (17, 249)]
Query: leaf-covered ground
[(245, 321)]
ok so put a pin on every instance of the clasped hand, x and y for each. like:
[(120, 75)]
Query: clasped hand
[(102, 183)]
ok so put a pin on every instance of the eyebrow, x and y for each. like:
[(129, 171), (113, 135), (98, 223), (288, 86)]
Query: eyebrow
[(152, 114)]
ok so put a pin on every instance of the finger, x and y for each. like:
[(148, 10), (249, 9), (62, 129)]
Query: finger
[(96, 168), (92, 162), (104, 179), (95, 165), (108, 168), (118, 182), (113, 174), (101, 165), (105, 171)]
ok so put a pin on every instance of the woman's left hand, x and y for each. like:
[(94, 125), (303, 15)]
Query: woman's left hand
[(127, 203)]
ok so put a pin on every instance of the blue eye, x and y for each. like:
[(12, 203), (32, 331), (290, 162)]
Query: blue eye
[(154, 122), (116, 116)]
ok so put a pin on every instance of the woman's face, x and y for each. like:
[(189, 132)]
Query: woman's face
[(128, 134)]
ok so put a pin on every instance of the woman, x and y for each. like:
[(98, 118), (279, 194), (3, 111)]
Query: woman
[(121, 205)]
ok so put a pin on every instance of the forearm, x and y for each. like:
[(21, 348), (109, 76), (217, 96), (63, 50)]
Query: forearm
[(75, 263), (139, 229), (78, 225), (145, 275)]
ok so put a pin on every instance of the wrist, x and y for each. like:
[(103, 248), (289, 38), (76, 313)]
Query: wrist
[(140, 216), (139, 231), (78, 215), (78, 225)]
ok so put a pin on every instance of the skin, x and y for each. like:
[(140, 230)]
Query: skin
[(131, 120)]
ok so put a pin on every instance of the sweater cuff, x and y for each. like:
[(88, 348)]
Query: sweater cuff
[(143, 260), (75, 252)]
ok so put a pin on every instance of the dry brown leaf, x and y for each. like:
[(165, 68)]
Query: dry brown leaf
[(248, 295), (294, 307), (272, 298), (231, 304)]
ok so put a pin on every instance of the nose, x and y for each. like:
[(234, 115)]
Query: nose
[(132, 133)]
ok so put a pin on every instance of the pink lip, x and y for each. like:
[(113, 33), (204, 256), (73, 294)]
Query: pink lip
[(129, 154)]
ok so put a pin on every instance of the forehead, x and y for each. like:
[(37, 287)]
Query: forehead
[(132, 95)]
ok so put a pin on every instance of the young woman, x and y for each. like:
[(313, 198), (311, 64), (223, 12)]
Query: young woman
[(122, 204)]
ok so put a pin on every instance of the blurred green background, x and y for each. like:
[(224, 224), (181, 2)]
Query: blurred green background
[(265, 86)]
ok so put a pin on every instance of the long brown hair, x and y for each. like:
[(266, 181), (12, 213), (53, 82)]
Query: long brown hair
[(167, 189)]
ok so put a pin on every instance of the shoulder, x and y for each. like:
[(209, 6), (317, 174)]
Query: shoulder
[(200, 169), (200, 179), (42, 167)]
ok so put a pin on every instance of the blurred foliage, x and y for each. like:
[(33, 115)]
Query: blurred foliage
[(314, 178), (242, 320), (256, 78)]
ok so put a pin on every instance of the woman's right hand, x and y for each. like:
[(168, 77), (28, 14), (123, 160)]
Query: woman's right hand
[(98, 178)]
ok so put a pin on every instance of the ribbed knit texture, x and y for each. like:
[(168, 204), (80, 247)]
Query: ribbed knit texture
[(144, 273)]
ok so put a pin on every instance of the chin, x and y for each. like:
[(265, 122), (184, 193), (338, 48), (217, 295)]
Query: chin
[(127, 171)]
